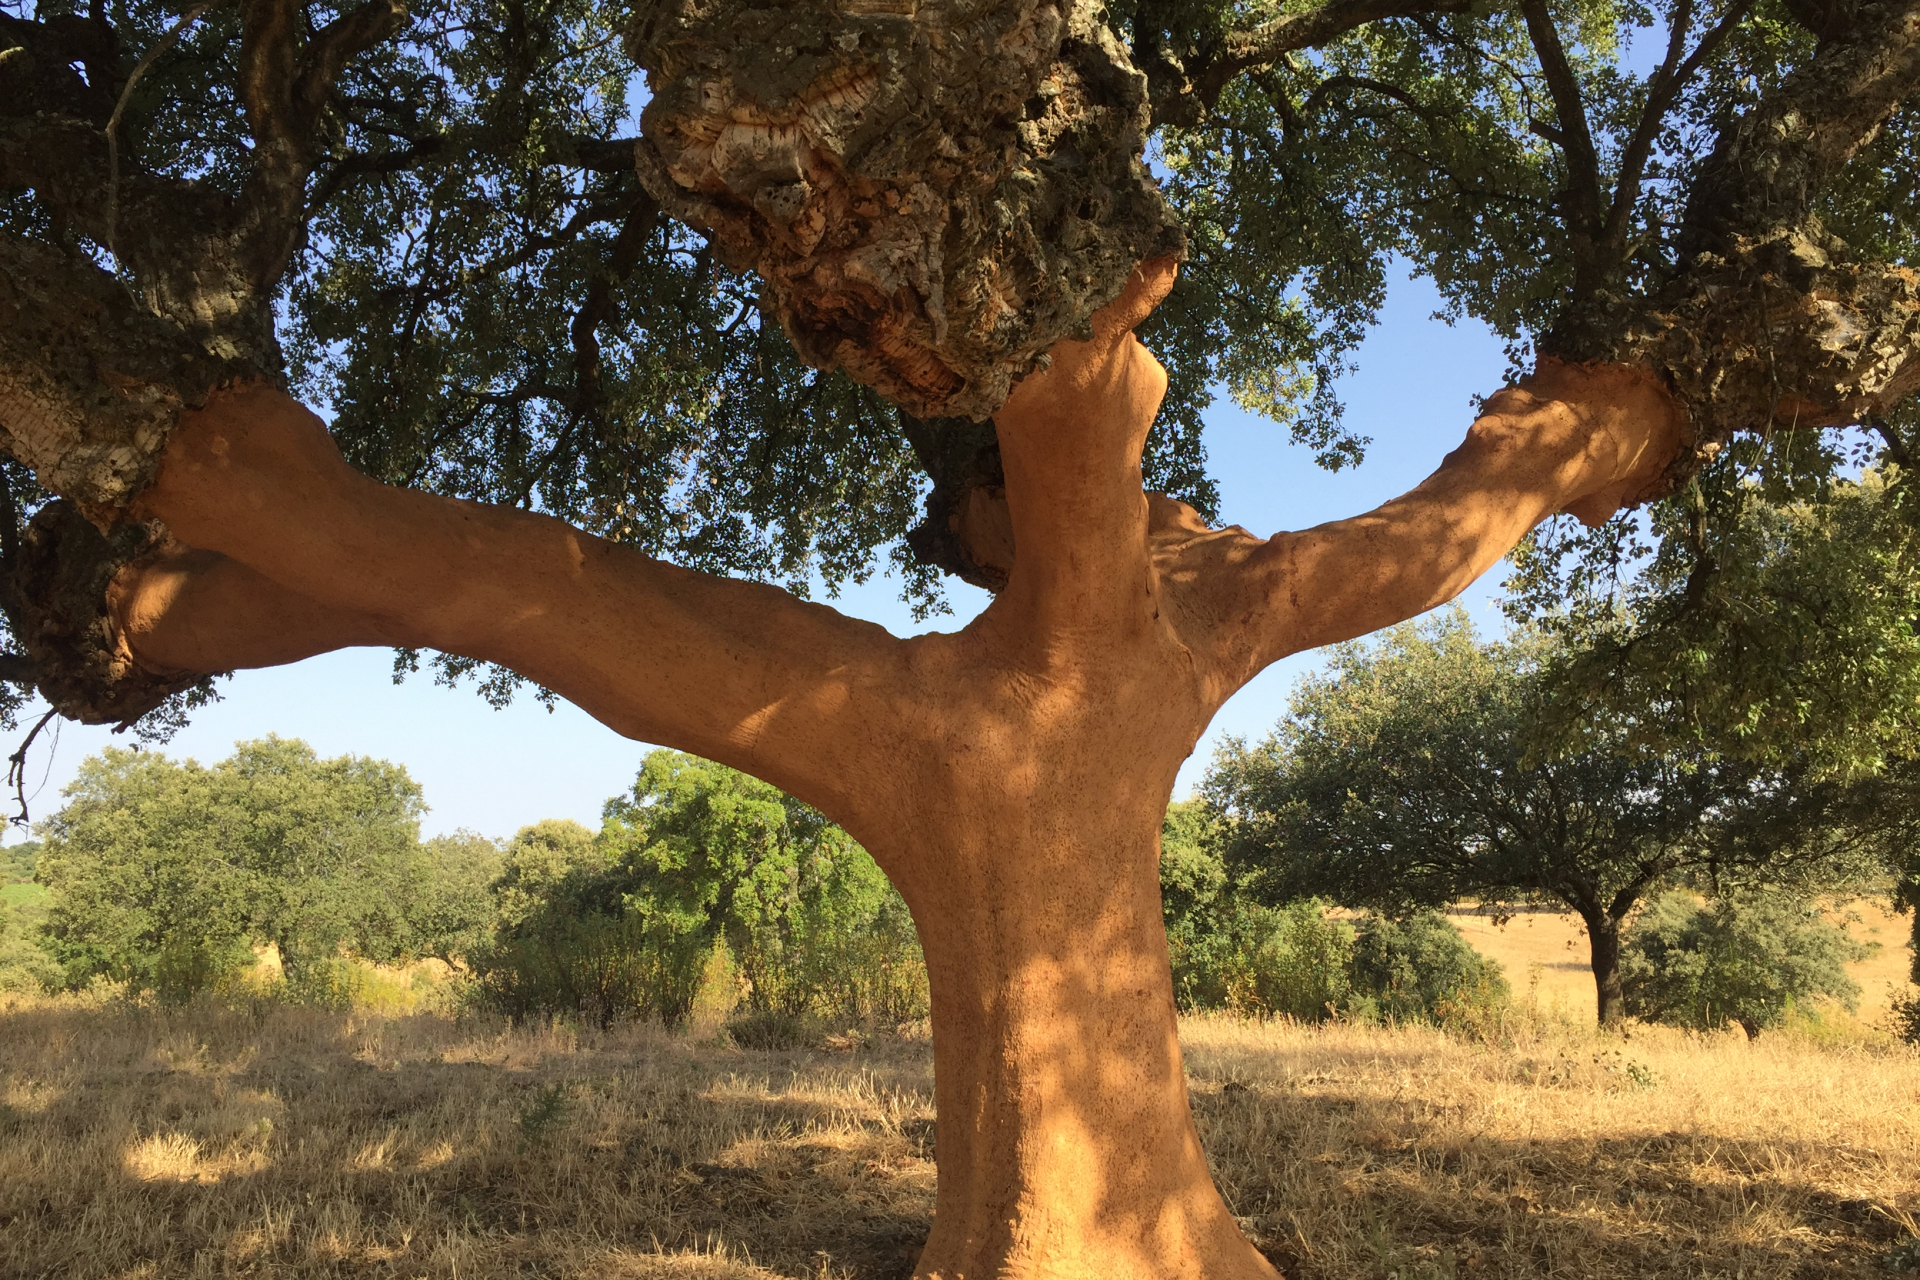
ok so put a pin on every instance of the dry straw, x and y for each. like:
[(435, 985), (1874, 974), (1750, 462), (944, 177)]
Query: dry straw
[(294, 1143)]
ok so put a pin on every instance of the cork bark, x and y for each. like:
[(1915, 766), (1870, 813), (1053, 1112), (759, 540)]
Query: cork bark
[(932, 193)]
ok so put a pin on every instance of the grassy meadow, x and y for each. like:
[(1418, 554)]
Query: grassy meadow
[(276, 1141)]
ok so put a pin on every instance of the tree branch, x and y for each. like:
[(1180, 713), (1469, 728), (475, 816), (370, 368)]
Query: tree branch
[(736, 671), (1567, 438), (1185, 97), (338, 43), (1584, 206), (1663, 87)]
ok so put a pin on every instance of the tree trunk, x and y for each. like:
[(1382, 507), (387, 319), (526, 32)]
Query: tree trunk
[(1603, 933), (1011, 778)]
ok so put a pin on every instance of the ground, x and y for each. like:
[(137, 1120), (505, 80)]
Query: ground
[(274, 1141)]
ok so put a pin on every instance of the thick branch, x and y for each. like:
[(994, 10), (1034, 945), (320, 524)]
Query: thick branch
[(337, 44), (1583, 203), (736, 671), (1568, 439), (1070, 445), (1772, 162)]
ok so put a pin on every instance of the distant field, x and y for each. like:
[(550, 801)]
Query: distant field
[(22, 893), (297, 1144), (1556, 942)]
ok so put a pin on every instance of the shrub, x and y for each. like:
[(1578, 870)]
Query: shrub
[(1905, 1020), (1746, 959), (1421, 969), (699, 858), (775, 1029), (24, 964), (605, 967)]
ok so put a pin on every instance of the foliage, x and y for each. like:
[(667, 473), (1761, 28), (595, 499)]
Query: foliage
[(1747, 959), (16, 862), (1295, 960), (1419, 968), (24, 963), (1905, 1019), (623, 924), (1400, 778), (1770, 618), (1290, 961), (165, 874), (450, 905)]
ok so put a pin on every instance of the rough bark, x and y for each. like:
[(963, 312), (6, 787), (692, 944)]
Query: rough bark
[(91, 380), (932, 193), (58, 604), (1768, 319)]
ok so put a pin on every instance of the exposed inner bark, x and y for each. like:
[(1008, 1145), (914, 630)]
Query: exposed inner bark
[(1010, 778), (933, 193)]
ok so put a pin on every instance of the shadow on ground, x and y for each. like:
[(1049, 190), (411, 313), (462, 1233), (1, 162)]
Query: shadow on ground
[(290, 1143)]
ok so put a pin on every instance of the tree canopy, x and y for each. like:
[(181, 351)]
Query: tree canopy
[(1402, 777), (475, 281), (164, 874)]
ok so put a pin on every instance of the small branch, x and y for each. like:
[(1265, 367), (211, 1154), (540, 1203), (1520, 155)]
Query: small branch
[(1266, 44), (17, 769), (147, 59), (1662, 89)]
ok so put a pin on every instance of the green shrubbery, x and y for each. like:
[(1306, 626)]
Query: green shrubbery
[(1746, 959), (624, 923), (1299, 961)]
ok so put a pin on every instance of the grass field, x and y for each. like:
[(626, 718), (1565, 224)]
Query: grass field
[(284, 1142), (13, 894)]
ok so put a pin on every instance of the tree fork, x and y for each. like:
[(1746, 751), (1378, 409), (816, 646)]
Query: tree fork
[(1010, 778)]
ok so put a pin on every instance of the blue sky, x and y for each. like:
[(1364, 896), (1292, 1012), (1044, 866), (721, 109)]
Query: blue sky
[(495, 771)]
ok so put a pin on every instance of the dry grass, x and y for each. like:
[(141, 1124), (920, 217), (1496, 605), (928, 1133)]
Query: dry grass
[(293, 1143)]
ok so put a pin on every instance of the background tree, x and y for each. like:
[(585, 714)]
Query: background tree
[(1401, 777), (1747, 959), (449, 907), (164, 874), (1769, 618), (469, 248)]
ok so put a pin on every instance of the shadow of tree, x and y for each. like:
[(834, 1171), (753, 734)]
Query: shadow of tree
[(297, 1145)]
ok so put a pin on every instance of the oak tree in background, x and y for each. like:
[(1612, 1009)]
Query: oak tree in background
[(1746, 959), (1401, 777), (165, 874), (622, 923), (442, 226)]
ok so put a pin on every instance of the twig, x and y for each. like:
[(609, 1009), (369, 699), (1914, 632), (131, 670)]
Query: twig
[(17, 769), (147, 59)]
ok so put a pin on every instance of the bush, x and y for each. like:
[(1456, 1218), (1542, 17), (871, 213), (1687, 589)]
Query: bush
[(1289, 961), (774, 1029), (1905, 1020), (600, 966), (1746, 959), (1296, 961), (1420, 969), (699, 858), (24, 964)]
